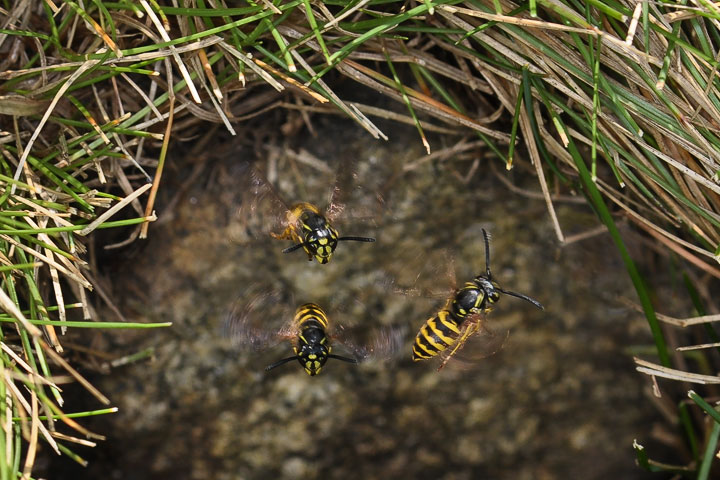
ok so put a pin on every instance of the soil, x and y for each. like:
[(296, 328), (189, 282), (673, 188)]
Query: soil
[(561, 399)]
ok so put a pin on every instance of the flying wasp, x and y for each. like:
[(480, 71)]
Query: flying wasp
[(312, 231), (312, 344), (462, 317), (303, 222), (309, 332)]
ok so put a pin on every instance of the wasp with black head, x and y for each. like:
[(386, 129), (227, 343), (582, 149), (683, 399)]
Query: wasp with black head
[(463, 315), (312, 232), (266, 320), (303, 222), (312, 343)]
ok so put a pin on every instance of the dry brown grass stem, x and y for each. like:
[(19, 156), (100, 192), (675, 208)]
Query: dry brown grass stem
[(655, 370)]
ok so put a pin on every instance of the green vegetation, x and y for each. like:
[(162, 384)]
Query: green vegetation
[(619, 100)]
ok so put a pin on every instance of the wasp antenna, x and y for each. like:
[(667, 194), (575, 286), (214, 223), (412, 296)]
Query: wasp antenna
[(293, 248), (344, 359), (357, 239), (524, 297), (280, 362), (487, 255)]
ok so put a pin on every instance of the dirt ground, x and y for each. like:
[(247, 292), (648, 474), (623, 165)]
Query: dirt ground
[(560, 400)]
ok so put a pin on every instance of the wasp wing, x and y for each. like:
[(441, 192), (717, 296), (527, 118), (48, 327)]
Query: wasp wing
[(351, 203), (477, 340), (262, 210), (386, 344), (345, 180), (423, 278), (369, 343), (260, 322)]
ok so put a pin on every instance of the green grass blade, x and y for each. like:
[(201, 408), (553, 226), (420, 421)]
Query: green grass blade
[(109, 325)]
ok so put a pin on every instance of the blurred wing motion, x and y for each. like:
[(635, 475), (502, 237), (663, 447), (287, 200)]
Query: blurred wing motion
[(476, 342), (418, 271), (386, 344), (343, 186), (352, 203), (260, 323), (370, 345), (262, 210)]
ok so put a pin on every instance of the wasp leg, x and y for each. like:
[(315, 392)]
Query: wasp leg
[(287, 234), (472, 327), (290, 233)]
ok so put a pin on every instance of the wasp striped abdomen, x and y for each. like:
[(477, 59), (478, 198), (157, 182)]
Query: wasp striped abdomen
[(437, 334), (310, 314), (443, 330)]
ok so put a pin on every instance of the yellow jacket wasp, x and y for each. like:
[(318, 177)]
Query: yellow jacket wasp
[(462, 316), (312, 344), (312, 231), (309, 331), (303, 222)]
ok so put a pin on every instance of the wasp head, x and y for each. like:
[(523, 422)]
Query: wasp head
[(489, 288), (493, 290), (313, 350), (319, 237), (321, 243)]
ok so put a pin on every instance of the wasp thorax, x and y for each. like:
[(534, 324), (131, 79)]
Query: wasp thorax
[(468, 300)]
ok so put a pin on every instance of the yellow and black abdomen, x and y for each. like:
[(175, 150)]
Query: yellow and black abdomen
[(310, 311), (297, 218), (442, 330), (438, 333), (313, 345)]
